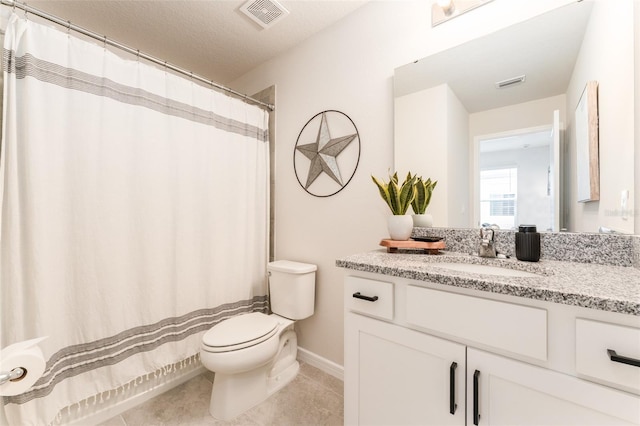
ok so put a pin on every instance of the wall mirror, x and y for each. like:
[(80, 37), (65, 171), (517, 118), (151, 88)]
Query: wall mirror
[(493, 121)]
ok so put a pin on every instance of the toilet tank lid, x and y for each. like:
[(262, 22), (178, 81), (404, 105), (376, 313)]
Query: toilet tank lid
[(291, 267)]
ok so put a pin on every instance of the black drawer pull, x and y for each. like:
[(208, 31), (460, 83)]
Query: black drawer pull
[(476, 409), (357, 295), (613, 356), (452, 388)]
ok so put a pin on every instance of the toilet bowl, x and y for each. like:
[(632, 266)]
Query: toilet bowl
[(253, 355), (252, 367)]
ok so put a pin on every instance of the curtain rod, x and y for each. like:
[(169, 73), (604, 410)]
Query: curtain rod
[(137, 53)]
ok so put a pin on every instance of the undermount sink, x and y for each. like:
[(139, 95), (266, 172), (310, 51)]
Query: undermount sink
[(484, 269)]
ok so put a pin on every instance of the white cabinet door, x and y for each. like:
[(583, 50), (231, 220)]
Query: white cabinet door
[(501, 391), (396, 376)]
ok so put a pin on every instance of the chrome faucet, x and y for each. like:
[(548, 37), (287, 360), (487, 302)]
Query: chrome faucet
[(487, 243)]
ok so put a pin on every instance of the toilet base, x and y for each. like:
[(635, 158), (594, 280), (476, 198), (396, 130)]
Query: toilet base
[(233, 394), (284, 378)]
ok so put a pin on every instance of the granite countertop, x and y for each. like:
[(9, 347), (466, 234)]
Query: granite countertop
[(603, 287)]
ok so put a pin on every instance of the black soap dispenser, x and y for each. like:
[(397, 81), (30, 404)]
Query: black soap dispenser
[(528, 243)]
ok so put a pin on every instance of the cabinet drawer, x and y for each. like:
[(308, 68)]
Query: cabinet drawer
[(514, 328), (594, 339), (369, 297)]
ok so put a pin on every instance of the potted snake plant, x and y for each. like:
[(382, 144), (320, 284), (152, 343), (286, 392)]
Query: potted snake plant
[(398, 197), (423, 191)]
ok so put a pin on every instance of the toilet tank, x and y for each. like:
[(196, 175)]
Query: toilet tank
[(292, 287)]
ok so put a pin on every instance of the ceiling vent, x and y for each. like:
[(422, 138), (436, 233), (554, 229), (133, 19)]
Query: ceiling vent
[(510, 82), (264, 12)]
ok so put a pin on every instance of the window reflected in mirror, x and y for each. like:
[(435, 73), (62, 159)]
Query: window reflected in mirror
[(498, 197)]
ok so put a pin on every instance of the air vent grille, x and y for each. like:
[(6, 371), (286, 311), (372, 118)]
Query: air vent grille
[(510, 81), (264, 12)]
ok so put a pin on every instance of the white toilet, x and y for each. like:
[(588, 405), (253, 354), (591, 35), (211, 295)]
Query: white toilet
[(254, 355)]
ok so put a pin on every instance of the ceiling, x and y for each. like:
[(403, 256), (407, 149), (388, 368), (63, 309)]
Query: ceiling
[(211, 38), (543, 48)]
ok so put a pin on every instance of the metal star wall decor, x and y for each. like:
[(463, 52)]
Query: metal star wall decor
[(322, 151)]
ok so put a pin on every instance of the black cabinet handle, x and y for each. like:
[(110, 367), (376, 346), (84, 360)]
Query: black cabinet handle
[(357, 295), (452, 388), (613, 356), (476, 411)]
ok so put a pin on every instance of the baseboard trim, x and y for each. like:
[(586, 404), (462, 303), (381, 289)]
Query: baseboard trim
[(321, 363)]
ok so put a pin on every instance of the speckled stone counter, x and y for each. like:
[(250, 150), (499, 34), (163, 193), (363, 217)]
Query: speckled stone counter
[(603, 287), (603, 249)]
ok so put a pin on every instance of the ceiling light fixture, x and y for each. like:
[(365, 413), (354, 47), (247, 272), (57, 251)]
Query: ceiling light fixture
[(443, 10), (447, 6)]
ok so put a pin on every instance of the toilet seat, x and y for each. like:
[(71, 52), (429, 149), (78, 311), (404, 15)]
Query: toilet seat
[(240, 332)]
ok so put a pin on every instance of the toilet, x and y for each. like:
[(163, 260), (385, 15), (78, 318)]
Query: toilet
[(253, 355)]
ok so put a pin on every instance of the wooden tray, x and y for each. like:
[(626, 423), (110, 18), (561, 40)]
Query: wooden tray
[(430, 248)]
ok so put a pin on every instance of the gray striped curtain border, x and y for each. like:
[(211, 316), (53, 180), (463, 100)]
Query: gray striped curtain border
[(69, 78), (77, 359)]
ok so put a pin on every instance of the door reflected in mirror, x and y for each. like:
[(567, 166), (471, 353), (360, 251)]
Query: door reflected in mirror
[(519, 168), (516, 180)]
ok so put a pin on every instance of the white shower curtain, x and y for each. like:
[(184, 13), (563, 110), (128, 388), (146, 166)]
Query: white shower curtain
[(134, 214)]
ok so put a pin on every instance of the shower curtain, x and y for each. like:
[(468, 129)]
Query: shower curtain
[(134, 214)]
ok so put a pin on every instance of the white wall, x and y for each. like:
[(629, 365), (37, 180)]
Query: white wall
[(457, 162), (612, 21), (349, 67), (425, 150), (428, 149), (515, 117)]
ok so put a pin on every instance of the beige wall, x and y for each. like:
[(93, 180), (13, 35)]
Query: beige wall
[(349, 67)]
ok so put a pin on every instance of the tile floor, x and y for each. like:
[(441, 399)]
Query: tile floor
[(312, 398)]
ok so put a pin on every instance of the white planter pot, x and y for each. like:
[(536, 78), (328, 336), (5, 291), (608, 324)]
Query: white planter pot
[(423, 220), (400, 227)]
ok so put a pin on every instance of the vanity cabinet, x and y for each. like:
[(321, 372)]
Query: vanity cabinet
[(418, 354), (401, 376), (502, 391)]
